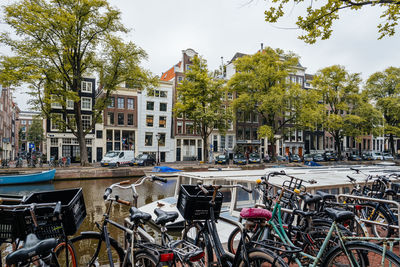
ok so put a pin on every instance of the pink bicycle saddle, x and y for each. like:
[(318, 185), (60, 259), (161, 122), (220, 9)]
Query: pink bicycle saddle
[(248, 213)]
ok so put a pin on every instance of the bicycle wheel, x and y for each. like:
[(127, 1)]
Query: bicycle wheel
[(235, 236), (193, 234), (145, 259), (361, 254), (61, 254), (85, 248), (264, 258), (379, 215)]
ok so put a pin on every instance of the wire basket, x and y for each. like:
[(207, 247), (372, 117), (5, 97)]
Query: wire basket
[(186, 250)]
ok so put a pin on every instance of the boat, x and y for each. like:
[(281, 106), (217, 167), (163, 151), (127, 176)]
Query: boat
[(28, 178)]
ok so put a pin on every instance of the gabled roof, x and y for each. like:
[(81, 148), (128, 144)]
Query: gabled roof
[(170, 74), (236, 56)]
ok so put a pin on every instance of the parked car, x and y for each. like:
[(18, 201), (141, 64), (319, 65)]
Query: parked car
[(118, 158), (366, 156), (387, 156), (377, 156), (318, 157), (355, 157), (221, 159), (143, 160), (295, 158), (254, 158), (280, 158), (307, 157), (330, 156), (239, 159)]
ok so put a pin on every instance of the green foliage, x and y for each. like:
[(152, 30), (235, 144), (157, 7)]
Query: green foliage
[(384, 89), (349, 113), (318, 20), (201, 98), (57, 43), (35, 132), (262, 84)]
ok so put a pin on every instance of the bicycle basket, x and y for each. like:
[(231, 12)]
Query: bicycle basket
[(11, 224), (378, 189), (194, 205), (73, 211)]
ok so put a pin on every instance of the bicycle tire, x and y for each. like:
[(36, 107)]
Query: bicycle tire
[(145, 259), (192, 233), (85, 246), (263, 257), (368, 254), (380, 215), (60, 254)]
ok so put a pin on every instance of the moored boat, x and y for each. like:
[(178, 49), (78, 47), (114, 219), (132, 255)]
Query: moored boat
[(28, 178)]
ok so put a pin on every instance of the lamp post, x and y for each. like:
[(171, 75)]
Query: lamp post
[(158, 136)]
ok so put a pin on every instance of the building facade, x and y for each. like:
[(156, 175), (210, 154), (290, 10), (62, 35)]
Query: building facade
[(155, 122), (8, 131), (25, 120), (63, 143)]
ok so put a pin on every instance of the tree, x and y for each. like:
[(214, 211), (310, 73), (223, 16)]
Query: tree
[(384, 88), (35, 132), (263, 86), (349, 112), (319, 18), (60, 42), (200, 98)]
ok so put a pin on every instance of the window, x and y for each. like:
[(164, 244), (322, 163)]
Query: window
[(240, 134), (54, 141), (230, 141), (255, 117), (70, 104), (130, 119), (188, 67), (86, 121), (247, 134), (86, 87), (121, 119), (222, 141), (88, 142), (86, 103), (112, 102), (109, 135), (230, 96), (130, 104), (189, 128), (148, 140), (149, 120), (179, 130), (163, 106), (254, 134), (180, 79), (56, 122), (117, 135), (99, 134), (110, 118), (150, 105), (71, 121), (162, 122), (23, 122), (23, 129), (121, 102), (55, 103), (161, 142), (163, 94)]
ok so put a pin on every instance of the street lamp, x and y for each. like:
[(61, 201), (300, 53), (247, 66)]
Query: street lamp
[(158, 136)]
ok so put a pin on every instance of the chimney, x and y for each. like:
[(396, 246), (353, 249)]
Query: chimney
[(262, 46)]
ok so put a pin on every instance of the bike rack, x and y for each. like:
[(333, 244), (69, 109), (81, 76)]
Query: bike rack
[(395, 203)]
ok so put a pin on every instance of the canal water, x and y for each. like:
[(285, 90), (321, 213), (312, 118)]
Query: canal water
[(93, 191)]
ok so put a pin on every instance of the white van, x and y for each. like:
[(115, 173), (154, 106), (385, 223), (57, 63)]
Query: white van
[(118, 158)]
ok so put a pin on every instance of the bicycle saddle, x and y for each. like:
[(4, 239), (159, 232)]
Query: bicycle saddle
[(164, 217), (326, 196), (312, 199), (138, 216), (253, 213), (304, 213), (32, 247), (339, 215)]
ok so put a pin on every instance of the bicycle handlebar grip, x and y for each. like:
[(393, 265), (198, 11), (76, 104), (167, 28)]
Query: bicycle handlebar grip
[(156, 178), (205, 191), (125, 182), (57, 209), (127, 203), (107, 193)]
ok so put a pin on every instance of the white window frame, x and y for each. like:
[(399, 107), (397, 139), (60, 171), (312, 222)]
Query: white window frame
[(68, 119), (85, 85), (70, 104), (90, 103), (55, 105), (90, 121), (53, 126)]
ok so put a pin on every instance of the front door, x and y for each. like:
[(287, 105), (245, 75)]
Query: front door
[(99, 154), (54, 152), (162, 156), (199, 157), (178, 154)]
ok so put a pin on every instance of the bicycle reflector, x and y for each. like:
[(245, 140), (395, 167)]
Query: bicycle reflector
[(258, 181), (197, 257), (358, 207), (166, 257)]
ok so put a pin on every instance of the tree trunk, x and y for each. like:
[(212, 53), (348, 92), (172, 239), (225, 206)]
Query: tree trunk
[(273, 149), (205, 149), (338, 147), (81, 136), (391, 141)]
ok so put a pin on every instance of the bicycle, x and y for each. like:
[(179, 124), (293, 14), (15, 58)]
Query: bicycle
[(201, 209), (36, 251), (353, 253), (140, 248)]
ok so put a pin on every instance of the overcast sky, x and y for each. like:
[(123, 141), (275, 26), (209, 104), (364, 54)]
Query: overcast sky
[(220, 28)]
